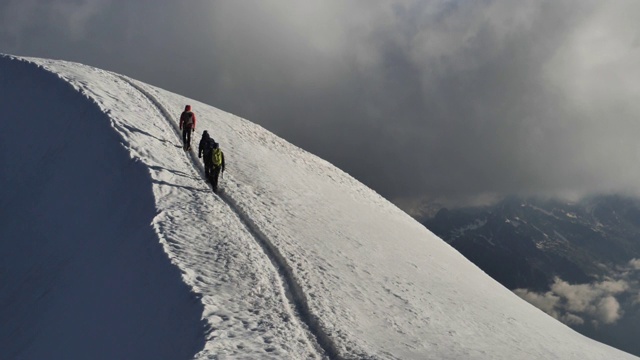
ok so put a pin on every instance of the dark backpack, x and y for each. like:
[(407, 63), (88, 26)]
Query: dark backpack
[(208, 147)]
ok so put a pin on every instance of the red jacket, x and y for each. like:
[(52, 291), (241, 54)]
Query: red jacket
[(184, 118)]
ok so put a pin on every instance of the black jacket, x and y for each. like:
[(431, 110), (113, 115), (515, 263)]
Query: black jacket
[(203, 147)]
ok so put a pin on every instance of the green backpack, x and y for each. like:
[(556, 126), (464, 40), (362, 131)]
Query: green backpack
[(217, 157)]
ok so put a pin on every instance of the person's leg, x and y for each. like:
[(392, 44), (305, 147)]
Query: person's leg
[(214, 178), (185, 131), (208, 166)]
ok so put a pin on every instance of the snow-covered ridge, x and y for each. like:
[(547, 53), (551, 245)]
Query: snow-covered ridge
[(295, 260)]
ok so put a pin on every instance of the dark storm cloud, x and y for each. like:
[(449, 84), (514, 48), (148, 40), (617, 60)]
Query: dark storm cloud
[(448, 99)]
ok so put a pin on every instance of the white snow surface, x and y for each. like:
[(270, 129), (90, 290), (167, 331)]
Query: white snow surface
[(116, 248)]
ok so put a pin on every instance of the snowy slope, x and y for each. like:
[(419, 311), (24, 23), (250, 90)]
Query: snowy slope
[(294, 260)]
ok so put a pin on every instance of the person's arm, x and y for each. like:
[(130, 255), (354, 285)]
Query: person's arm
[(193, 129)]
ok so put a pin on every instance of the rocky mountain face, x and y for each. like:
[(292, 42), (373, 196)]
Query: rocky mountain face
[(527, 243), (579, 262)]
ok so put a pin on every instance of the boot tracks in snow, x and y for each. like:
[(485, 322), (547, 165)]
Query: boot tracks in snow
[(292, 290)]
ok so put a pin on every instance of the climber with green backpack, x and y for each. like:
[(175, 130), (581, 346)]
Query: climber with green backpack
[(218, 166), (213, 159)]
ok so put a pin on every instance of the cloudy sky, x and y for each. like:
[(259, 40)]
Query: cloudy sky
[(450, 99)]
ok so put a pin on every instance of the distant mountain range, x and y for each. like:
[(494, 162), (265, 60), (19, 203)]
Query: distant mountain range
[(538, 246), (527, 243)]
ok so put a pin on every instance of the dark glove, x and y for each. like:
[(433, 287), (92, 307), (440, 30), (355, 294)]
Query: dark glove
[(193, 130), (199, 156)]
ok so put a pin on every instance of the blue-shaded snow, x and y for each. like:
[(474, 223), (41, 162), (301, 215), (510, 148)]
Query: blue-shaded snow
[(82, 274)]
